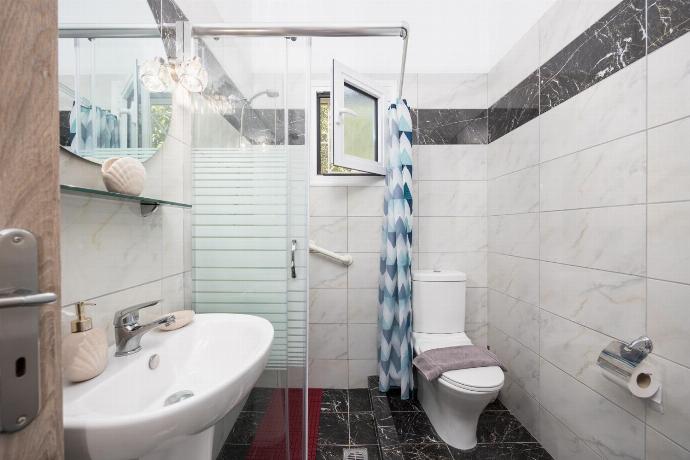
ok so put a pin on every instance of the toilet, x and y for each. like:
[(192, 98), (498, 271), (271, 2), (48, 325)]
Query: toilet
[(454, 401)]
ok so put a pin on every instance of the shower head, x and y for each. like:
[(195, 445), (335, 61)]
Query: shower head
[(269, 93)]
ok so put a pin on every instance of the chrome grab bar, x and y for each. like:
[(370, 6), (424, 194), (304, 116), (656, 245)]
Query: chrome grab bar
[(293, 270)]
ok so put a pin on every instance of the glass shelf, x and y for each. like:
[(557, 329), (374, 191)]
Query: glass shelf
[(148, 205)]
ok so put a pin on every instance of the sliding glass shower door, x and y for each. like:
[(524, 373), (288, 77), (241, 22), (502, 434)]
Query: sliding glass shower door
[(250, 223)]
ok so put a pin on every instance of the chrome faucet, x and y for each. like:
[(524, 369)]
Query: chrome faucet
[(128, 331)]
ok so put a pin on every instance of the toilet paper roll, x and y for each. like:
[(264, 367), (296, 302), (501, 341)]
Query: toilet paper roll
[(644, 382)]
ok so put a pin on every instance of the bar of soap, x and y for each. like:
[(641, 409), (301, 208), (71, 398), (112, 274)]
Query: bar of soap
[(182, 318)]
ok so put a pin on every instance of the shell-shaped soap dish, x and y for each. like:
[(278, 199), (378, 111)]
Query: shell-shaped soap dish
[(124, 175)]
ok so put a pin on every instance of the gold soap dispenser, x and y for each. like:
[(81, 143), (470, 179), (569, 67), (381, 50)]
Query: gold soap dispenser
[(85, 350)]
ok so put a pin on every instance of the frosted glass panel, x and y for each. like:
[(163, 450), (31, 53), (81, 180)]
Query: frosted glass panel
[(360, 127)]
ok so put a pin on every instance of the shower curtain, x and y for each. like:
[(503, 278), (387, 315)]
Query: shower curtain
[(395, 280)]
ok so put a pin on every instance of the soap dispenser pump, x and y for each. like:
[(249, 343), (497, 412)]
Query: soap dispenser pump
[(85, 350)]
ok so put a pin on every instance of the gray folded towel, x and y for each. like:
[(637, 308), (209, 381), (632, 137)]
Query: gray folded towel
[(433, 363)]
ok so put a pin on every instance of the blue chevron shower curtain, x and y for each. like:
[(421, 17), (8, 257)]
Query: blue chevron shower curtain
[(395, 281)]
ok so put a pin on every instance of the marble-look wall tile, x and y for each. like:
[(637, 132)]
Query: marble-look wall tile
[(364, 271), (365, 201), (452, 91), (452, 234), (668, 251), (516, 150), (605, 175), (515, 234), (609, 45), (522, 363), (606, 428), (328, 341), (668, 319), (450, 162), (327, 373), (604, 238), (449, 126), (362, 306), (667, 21), (517, 107), (325, 274), (659, 446), (518, 63), (107, 246), (515, 276), (514, 193), (611, 303), (574, 349), (451, 198), (565, 21), (330, 232), (362, 341), (668, 88), (518, 319), (668, 162), (674, 422), (613, 108), (328, 306), (476, 311), (364, 234), (523, 405), (473, 264), (328, 201), (359, 370), (560, 441)]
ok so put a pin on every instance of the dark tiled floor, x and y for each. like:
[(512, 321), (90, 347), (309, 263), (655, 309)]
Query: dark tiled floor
[(389, 428), (405, 433), (347, 420)]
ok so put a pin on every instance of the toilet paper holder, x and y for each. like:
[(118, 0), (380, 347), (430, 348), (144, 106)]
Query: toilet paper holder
[(622, 358)]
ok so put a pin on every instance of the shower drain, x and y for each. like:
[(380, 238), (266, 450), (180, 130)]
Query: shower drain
[(355, 454), (177, 397)]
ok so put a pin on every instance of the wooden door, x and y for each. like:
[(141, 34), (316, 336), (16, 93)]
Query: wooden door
[(29, 193)]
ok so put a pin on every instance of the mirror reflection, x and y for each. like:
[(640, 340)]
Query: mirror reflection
[(116, 115)]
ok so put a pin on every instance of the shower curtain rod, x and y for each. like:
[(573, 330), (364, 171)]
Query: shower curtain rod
[(401, 30)]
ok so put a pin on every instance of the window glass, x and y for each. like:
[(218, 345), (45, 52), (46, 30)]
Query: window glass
[(360, 124)]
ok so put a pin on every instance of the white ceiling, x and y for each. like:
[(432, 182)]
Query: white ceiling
[(447, 36)]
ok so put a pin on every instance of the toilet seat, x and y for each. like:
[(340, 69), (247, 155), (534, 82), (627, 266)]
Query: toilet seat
[(476, 379)]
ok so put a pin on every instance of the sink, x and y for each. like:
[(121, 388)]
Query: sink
[(132, 411)]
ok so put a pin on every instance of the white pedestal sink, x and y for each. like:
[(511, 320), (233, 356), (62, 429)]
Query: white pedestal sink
[(122, 413)]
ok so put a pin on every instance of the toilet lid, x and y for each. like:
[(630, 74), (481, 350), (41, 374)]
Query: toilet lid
[(478, 379)]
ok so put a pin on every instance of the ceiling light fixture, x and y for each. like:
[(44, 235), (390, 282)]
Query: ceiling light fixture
[(157, 75)]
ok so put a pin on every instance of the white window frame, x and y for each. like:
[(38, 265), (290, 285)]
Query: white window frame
[(389, 87), (341, 76)]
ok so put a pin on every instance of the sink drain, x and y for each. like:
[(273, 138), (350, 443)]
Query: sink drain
[(177, 397)]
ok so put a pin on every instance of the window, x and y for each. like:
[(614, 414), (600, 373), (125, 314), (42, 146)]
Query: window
[(324, 165), (349, 126)]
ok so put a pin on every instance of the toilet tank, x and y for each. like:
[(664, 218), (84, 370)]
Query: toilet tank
[(438, 301)]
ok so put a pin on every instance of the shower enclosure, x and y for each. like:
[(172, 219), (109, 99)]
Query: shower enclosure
[(249, 173)]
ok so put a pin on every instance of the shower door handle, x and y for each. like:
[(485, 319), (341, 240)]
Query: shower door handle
[(292, 259)]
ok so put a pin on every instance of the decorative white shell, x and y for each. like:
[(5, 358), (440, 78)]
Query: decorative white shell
[(182, 318), (124, 175)]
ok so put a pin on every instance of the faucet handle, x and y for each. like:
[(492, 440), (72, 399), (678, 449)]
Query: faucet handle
[(130, 315)]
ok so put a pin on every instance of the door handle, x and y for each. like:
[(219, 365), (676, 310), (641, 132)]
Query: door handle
[(19, 335), (292, 259)]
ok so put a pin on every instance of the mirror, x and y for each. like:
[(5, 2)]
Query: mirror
[(117, 116)]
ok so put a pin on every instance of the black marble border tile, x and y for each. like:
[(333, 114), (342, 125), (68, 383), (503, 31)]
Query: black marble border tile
[(666, 21), (628, 32), (449, 126), (612, 43), (515, 108)]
